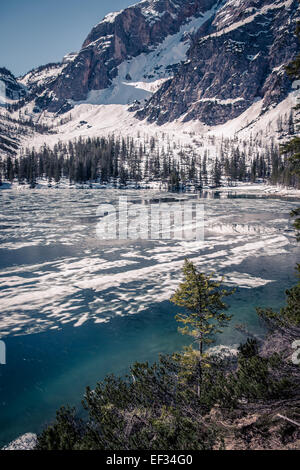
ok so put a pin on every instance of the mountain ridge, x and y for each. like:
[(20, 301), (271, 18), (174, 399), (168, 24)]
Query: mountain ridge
[(250, 65), (235, 55), (202, 64), (125, 35)]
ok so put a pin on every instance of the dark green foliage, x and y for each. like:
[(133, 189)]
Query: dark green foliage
[(204, 315), (289, 315), (217, 173), (120, 161), (203, 301), (145, 410), (256, 378), (64, 434), (251, 377), (248, 349), (153, 409), (114, 160)]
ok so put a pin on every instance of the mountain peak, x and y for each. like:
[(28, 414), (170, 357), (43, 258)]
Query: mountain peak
[(202, 60)]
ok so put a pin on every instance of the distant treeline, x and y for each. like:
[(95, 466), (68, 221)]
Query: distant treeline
[(127, 160)]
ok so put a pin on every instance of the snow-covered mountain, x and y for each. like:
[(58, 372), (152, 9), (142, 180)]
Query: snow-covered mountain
[(236, 59), (218, 66), (142, 43), (204, 59)]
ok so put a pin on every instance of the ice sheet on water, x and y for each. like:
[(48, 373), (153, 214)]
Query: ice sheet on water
[(55, 271)]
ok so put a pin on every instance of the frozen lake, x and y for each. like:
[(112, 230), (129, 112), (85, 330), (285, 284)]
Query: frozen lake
[(74, 308)]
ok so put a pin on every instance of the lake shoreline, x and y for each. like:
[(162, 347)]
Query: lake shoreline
[(260, 188)]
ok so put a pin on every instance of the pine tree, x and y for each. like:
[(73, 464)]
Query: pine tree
[(9, 169), (289, 315), (202, 298), (291, 127), (1, 165), (217, 173), (204, 168)]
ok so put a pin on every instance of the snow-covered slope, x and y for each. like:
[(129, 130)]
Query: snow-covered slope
[(42, 76), (182, 68)]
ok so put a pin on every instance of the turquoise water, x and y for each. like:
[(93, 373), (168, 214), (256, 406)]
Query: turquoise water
[(74, 309)]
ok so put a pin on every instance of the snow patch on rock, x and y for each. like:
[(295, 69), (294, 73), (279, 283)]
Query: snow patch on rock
[(26, 442)]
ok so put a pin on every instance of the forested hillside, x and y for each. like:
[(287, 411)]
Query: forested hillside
[(123, 161)]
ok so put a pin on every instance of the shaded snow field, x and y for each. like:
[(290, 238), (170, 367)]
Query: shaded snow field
[(105, 114), (54, 270)]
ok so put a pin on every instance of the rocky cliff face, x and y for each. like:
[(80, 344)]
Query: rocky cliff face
[(10, 88), (120, 36), (214, 59), (237, 58)]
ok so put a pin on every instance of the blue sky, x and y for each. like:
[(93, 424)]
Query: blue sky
[(35, 32)]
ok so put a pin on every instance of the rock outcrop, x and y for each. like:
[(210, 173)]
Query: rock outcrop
[(26, 442), (236, 59), (120, 36), (10, 88)]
